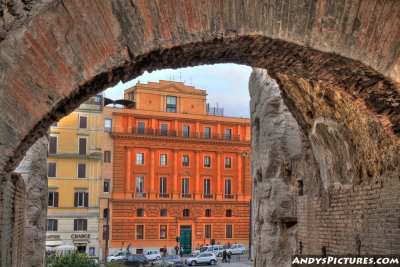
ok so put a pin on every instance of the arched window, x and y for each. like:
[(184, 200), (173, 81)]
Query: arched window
[(208, 213), (140, 212), (228, 213), (186, 213)]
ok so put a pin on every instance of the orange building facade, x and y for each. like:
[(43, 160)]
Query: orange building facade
[(177, 171)]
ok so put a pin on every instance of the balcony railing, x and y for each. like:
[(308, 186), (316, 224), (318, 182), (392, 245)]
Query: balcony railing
[(229, 196), (184, 134), (139, 194), (163, 195), (208, 196), (185, 195)]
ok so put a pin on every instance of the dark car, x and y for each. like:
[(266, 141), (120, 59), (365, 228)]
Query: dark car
[(136, 260)]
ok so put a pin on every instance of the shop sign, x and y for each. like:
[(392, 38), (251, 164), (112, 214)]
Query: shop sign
[(80, 236)]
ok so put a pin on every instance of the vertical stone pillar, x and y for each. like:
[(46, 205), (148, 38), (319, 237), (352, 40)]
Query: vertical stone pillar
[(33, 170), (152, 193), (240, 176), (197, 193), (175, 192), (128, 170), (218, 194)]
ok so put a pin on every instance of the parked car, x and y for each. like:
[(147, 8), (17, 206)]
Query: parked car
[(172, 258), (202, 258), (168, 264), (217, 250), (152, 255), (135, 260), (237, 249), (117, 255)]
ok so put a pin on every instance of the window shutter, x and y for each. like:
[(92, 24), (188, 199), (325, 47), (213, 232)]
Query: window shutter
[(55, 225), (75, 224), (83, 122), (76, 200), (55, 199), (84, 224), (53, 145), (86, 200), (82, 146)]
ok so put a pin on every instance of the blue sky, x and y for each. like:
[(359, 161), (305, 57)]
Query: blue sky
[(226, 84)]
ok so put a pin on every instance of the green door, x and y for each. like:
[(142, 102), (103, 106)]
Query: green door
[(186, 238)]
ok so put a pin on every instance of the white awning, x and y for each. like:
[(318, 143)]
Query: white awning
[(54, 243)]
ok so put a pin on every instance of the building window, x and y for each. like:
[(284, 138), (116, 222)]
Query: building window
[(171, 104), (139, 158), (163, 159), (228, 189), (185, 160), (228, 213), (141, 127), (228, 231), (51, 169), (53, 199), (208, 213), (207, 231), (163, 213), (164, 129), (82, 146), (139, 231), (163, 187), (105, 213), (228, 162), (163, 232), (82, 170), (106, 186), (53, 145), (52, 225), (107, 156), (140, 212), (207, 161), (186, 131), (207, 132), (107, 125), (83, 122), (207, 188), (228, 134), (186, 213), (80, 224), (140, 186), (81, 199), (185, 188)]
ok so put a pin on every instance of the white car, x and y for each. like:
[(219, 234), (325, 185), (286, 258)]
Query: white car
[(237, 249), (217, 250), (117, 255), (206, 257), (152, 255)]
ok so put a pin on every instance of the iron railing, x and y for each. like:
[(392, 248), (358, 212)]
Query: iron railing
[(185, 134)]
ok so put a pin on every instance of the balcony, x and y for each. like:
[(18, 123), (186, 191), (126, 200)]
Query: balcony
[(163, 195), (185, 195), (208, 196), (229, 196), (140, 195), (184, 134)]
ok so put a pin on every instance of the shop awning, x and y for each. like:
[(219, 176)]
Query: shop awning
[(54, 243)]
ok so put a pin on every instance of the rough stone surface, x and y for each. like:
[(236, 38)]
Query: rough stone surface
[(33, 169), (281, 157)]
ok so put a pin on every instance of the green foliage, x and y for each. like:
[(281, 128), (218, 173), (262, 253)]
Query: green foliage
[(73, 260)]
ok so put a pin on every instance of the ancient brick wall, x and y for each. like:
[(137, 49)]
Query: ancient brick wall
[(12, 212)]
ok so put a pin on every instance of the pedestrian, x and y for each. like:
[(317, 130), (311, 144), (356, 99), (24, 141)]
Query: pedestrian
[(224, 256), (228, 256), (182, 250), (165, 251), (176, 250)]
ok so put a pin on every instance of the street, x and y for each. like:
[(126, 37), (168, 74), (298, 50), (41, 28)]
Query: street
[(236, 261)]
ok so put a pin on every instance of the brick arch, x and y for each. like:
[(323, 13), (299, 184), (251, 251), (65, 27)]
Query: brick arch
[(331, 60)]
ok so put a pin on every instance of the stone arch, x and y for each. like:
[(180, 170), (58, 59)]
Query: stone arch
[(331, 59)]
